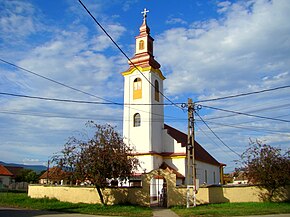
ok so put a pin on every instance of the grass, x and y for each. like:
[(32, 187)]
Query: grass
[(21, 200), (233, 209)]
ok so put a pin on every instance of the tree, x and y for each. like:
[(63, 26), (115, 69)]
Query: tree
[(267, 166), (98, 158), (27, 175)]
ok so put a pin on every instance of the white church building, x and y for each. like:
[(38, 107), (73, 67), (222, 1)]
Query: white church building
[(157, 145)]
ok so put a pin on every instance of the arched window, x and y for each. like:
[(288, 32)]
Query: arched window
[(141, 45), (156, 87), (137, 88), (137, 120)]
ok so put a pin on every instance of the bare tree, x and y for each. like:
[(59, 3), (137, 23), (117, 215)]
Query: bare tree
[(98, 158), (267, 166)]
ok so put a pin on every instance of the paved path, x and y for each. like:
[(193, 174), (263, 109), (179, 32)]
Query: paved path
[(159, 212)]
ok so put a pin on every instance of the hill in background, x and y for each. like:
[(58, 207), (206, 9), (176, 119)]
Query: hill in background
[(36, 168)]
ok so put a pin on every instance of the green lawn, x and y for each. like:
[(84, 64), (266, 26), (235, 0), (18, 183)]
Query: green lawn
[(23, 201), (234, 209), (214, 210)]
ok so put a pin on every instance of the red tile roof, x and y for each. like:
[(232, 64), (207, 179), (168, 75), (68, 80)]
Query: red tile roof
[(200, 153), (55, 173), (4, 171)]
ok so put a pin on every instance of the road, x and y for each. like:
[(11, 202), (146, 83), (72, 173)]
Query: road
[(15, 212)]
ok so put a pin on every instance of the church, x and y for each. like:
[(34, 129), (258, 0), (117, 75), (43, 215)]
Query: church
[(158, 145)]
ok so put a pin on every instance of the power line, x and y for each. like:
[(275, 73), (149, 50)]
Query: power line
[(60, 100), (254, 129), (245, 114), (243, 94), (54, 81), (120, 49), (210, 138), (51, 115), (217, 136), (256, 110), (79, 101)]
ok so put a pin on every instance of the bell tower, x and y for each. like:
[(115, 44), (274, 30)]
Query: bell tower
[(143, 119)]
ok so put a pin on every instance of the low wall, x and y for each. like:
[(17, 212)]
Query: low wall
[(223, 194), (141, 195), (75, 194)]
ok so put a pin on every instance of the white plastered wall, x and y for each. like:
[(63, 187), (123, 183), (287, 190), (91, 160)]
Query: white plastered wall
[(213, 173)]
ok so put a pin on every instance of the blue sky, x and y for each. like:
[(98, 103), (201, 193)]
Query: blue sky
[(207, 49)]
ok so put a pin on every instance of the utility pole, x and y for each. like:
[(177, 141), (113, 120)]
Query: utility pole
[(191, 176), (47, 174)]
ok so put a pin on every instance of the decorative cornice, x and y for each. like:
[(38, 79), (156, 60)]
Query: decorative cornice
[(144, 69)]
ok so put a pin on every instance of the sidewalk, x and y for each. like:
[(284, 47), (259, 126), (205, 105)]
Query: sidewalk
[(162, 212)]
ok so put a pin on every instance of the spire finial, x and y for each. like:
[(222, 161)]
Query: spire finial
[(144, 13)]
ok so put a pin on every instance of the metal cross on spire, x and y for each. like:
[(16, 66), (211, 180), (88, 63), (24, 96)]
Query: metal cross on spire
[(145, 13)]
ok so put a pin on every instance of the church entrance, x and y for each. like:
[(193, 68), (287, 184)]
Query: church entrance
[(158, 191)]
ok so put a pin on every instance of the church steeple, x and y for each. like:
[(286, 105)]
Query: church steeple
[(144, 47), (143, 120)]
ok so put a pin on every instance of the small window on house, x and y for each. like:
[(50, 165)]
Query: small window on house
[(137, 88), (214, 177), (137, 120), (205, 176), (156, 86), (141, 45)]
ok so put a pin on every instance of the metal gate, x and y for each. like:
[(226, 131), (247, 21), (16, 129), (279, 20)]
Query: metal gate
[(158, 192)]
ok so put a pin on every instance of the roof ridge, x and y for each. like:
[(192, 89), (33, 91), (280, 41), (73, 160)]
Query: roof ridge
[(200, 153)]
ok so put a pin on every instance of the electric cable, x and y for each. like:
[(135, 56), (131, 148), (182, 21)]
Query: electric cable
[(217, 135), (79, 101), (54, 81), (120, 49), (87, 102), (245, 114), (210, 138), (242, 94), (52, 115), (257, 110)]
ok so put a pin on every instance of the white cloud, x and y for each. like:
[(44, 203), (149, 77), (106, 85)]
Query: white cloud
[(176, 21), (246, 45), (72, 55), (17, 19)]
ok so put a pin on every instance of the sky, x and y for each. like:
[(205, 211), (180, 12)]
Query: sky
[(207, 49)]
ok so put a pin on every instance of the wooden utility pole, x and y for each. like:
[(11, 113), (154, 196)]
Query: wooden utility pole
[(190, 178)]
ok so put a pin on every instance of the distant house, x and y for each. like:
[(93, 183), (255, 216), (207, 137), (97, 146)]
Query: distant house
[(227, 179), (15, 170), (240, 178), (5, 176), (56, 176)]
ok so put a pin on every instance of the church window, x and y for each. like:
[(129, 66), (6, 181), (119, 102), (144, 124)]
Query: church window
[(137, 120), (137, 88), (156, 87), (141, 45)]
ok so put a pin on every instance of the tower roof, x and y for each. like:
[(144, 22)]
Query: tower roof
[(144, 47)]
